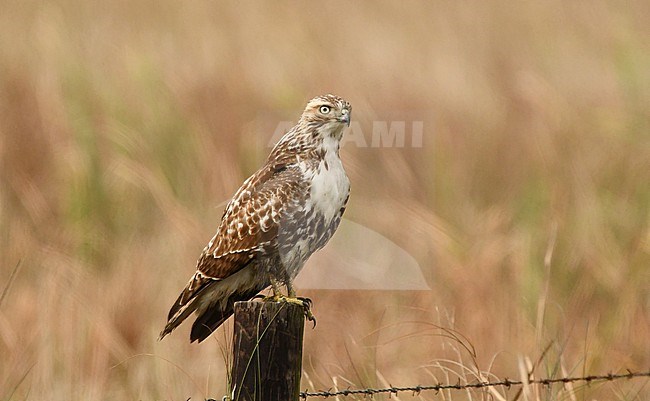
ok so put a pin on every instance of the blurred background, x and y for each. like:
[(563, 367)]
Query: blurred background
[(126, 125)]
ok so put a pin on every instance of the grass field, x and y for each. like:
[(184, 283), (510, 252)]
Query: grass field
[(125, 125)]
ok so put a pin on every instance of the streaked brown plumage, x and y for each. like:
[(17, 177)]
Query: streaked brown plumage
[(283, 213)]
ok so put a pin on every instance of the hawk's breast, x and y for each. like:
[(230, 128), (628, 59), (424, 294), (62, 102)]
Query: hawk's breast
[(311, 226), (329, 187)]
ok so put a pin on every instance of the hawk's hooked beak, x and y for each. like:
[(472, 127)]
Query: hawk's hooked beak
[(345, 117)]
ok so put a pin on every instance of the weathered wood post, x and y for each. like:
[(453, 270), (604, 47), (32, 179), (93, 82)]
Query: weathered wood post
[(267, 351)]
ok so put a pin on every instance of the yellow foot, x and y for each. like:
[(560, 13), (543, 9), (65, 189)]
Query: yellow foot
[(306, 304)]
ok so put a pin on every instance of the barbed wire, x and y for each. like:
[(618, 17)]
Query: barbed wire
[(458, 386)]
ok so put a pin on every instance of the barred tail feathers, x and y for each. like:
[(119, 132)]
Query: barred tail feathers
[(187, 302)]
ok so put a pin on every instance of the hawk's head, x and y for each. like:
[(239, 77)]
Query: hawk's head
[(329, 112)]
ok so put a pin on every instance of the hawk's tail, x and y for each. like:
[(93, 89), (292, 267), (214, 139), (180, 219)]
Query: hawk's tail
[(211, 315), (177, 314), (188, 301), (210, 320), (214, 316)]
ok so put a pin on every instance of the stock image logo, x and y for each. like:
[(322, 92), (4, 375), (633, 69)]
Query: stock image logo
[(359, 258)]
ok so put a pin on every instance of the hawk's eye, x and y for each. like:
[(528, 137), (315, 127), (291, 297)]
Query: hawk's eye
[(324, 109)]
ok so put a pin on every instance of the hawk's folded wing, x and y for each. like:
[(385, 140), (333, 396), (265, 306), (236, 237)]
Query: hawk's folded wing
[(249, 226)]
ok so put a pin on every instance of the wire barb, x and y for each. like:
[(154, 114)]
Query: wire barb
[(507, 383)]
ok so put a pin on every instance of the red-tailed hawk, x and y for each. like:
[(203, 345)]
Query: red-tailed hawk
[(282, 214)]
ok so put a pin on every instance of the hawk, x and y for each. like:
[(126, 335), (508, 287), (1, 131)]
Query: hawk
[(279, 217)]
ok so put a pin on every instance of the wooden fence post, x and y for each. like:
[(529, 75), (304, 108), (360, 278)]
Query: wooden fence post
[(267, 351)]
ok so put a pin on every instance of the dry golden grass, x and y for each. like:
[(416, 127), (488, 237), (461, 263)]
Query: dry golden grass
[(124, 124)]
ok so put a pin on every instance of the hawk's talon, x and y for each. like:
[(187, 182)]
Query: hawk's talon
[(310, 316), (307, 301)]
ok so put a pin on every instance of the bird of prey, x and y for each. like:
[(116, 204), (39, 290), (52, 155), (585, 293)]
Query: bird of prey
[(279, 217)]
